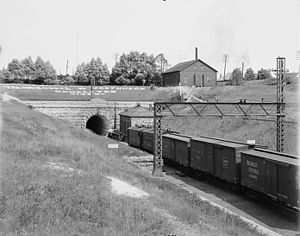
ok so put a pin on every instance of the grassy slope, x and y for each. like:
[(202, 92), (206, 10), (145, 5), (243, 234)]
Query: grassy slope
[(240, 129), (61, 92), (253, 91), (229, 128), (35, 199)]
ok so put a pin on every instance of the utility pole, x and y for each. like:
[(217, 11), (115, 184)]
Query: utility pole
[(117, 55), (298, 59), (92, 85), (225, 57), (115, 116), (77, 49), (67, 66), (243, 70)]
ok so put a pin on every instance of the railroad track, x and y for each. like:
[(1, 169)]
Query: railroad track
[(269, 214)]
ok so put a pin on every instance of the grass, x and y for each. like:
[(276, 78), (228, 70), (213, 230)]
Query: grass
[(237, 129), (38, 200), (240, 129), (230, 128), (76, 93)]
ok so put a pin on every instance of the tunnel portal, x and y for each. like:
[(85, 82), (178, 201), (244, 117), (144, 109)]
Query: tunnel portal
[(98, 124)]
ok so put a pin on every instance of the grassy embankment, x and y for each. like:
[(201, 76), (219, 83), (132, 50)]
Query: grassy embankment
[(41, 195), (75, 93), (240, 129), (232, 128)]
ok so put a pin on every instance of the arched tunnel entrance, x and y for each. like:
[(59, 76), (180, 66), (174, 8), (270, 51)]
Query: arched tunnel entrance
[(98, 124)]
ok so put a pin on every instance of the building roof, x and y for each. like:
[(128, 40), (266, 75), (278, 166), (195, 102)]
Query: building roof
[(137, 111), (183, 65)]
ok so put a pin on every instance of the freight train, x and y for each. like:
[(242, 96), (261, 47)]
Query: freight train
[(270, 174)]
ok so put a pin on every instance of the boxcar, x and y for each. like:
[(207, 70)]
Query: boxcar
[(177, 148), (202, 154), (134, 136), (272, 174), (228, 161), (147, 140), (182, 149), (168, 149)]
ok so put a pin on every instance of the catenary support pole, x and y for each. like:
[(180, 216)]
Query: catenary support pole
[(157, 157), (280, 104)]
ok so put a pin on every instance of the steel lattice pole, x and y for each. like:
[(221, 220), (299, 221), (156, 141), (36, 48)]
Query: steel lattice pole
[(281, 105), (157, 157)]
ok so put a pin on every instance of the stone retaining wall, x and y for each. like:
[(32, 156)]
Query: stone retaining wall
[(78, 112)]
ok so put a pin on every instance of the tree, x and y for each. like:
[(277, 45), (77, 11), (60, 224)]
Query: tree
[(40, 75), (250, 75), (236, 77), (157, 79), (50, 73), (95, 69), (139, 68), (99, 71), (263, 74), (6, 76), (161, 63), (29, 70), (122, 81), (68, 80), (44, 72), (81, 75), (2, 76), (17, 69)]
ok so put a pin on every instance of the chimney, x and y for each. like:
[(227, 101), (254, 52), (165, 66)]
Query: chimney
[(196, 53)]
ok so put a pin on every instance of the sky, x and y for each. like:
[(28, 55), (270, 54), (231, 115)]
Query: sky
[(255, 32)]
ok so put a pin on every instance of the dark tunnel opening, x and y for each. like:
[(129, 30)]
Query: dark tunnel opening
[(98, 124)]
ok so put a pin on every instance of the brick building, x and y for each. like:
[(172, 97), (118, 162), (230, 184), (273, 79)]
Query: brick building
[(191, 73)]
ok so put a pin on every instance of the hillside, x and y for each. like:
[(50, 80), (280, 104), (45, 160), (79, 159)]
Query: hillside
[(241, 129), (59, 180), (75, 93), (253, 91)]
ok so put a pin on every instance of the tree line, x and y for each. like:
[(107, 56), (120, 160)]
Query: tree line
[(237, 78), (133, 68)]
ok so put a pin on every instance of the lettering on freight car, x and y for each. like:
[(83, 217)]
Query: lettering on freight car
[(252, 169), (251, 163), (253, 176), (225, 163)]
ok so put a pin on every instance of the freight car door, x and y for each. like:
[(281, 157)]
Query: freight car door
[(271, 181), (209, 164), (218, 154)]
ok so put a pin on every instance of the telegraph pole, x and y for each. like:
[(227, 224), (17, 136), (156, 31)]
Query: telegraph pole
[(92, 85), (116, 57), (67, 66), (115, 116), (77, 49), (298, 59), (243, 70), (225, 57)]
